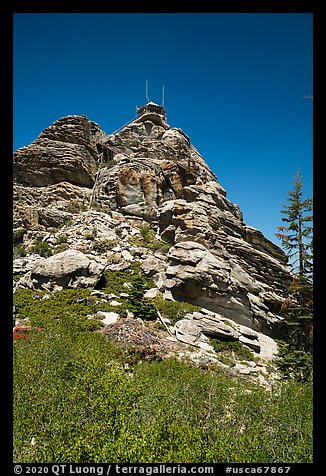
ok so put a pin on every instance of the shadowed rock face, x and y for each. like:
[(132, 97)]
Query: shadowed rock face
[(74, 175)]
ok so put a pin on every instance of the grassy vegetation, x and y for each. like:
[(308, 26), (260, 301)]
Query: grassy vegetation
[(60, 248), (113, 281), (231, 349), (294, 363), (102, 246), (100, 207), (73, 396), (78, 303), (147, 239), (174, 310), (62, 239), (19, 251), (75, 206), (42, 248)]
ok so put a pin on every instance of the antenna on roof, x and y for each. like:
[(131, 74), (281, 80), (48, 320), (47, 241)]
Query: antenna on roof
[(147, 100), (163, 95)]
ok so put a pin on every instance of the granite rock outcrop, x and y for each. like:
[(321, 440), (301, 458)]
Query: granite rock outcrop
[(65, 151), (90, 196)]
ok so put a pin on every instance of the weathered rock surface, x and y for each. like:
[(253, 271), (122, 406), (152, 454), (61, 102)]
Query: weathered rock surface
[(41, 208), (71, 268), (219, 283), (194, 329), (93, 193), (65, 151), (108, 318)]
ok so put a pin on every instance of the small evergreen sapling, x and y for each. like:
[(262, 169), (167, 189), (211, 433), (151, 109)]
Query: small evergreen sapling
[(138, 304)]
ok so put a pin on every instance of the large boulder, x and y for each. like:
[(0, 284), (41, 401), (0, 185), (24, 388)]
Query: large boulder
[(214, 282), (71, 268), (196, 328)]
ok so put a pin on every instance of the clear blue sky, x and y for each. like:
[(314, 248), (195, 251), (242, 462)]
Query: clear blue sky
[(234, 82)]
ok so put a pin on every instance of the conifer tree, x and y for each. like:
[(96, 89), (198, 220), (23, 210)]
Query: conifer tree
[(138, 304), (296, 238)]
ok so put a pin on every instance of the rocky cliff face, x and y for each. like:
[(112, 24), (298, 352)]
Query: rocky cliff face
[(100, 190)]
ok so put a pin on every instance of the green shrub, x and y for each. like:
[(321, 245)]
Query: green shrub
[(160, 245), (294, 363), (75, 206), (147, 240), (19, 251), (42, 248), (113, 281), (68, 302), (101, 207), (61, 247), (147, 234), (91, 235), (140, 306), (73, 395), (91, 325), (62, 239), (107, 307), (101, 246), (232, 347), (226, 360), (62, 243), (174, 310)]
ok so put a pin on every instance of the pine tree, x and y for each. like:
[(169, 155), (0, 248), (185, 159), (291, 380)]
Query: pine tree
[(295, 356), (296, 237), (138, 304)]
